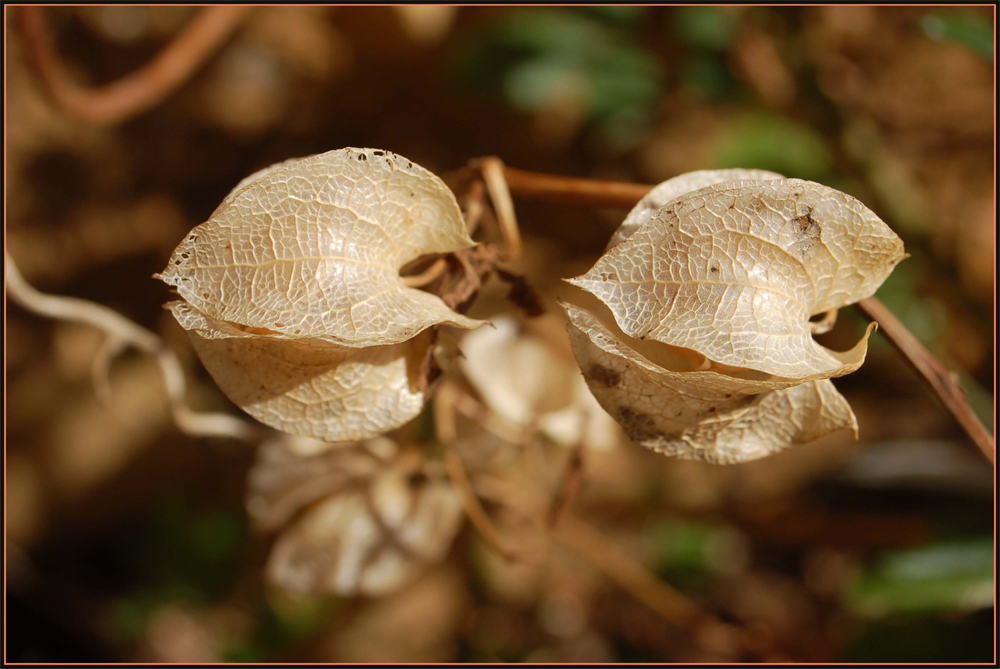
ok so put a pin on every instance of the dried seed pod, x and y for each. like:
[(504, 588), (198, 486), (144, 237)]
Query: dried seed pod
[(289, 474), (735, 270), (701, 415), (371, 517), (293, 298), (728, 275)]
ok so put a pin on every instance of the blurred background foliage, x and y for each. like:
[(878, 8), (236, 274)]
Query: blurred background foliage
[(127, 541)]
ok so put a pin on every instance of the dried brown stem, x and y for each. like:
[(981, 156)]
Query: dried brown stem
[(490, 421), (630, 575), (604, 555), (574, 190), (445, 418), (140, 91), (474, 206), (475, 511), (569, 485), (445, 404), (940, 379)]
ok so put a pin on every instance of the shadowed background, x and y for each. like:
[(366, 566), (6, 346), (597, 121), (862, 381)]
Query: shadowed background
[(127, 541)]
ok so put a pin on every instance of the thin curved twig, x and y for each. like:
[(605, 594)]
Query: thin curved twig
[(120, 332), (569, 485), (475, 511), (938, 378), (139, 91), (445, 426), (628, 574), (600, 552), (941, 380), (617, 565)]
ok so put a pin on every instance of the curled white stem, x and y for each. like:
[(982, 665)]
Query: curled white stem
[(121, 332)]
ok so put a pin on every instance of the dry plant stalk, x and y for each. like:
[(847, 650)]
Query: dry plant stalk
[(477, 514), (943, 382), (553, 519), (569, 485), (140, 91), (601, 553), (445, 407), (429, 275), (630, 575), (493, 173), (573, 190)]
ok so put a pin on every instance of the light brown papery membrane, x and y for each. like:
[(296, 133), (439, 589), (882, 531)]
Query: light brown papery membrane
[(293, 297), (728, 271), (701, 415), (312, 248), (309, 387), (735, 270)]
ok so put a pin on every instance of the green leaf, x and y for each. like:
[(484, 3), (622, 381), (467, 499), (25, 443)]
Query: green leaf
[(707, 27), (532, 84), (708, 77), (539, 57), (950, 576), (245, 653), (547, 31), (776, 143), (692, 546), (125, 619), (188, 549), (620, 14), (302, 618), (972, 32)]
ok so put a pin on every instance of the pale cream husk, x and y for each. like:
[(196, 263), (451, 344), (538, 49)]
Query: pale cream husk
[(293, 298), (734, 271), (729, 274)]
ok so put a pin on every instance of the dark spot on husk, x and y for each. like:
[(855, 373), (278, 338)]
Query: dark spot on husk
[(604, 376), (639, 426), (809, 233), (807, 226)]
